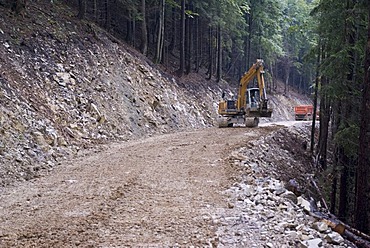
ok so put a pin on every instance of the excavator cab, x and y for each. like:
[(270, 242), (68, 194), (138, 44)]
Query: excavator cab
[(256, 106)]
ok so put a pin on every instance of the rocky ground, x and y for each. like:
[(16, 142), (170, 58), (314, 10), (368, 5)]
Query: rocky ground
[(271, 202), (206, 188)]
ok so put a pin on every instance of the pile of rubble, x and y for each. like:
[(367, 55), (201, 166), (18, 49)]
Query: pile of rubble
[(262, 211), (276, 217)]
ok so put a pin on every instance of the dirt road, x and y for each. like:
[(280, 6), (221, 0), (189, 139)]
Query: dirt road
[(156, 192)]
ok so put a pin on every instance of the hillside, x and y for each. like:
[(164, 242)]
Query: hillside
[(67, 86)]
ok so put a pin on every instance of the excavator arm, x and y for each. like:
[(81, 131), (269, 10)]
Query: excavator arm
[(255, 71)]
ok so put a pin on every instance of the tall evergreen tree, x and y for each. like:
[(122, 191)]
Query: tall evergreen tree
[(362, 213)]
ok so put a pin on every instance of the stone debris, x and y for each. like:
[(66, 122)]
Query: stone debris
[(265, 213)]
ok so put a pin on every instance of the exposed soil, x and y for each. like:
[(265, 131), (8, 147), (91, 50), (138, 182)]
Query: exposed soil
[(157, 191)]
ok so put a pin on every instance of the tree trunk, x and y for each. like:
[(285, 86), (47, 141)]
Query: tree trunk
[(324, 125), (81, 9), (343, 187), (144, 31), (287, 73), (188, 37), (313, 128), (160, 35), (219, 54), (343, 159), (171, 46), (210, 59), (182, 40), (95, 10), (362, 205), (333, 194), (197, 45), (107, 14), (250, 22), (272, 76)]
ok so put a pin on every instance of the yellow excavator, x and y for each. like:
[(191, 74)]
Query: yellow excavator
[(251, 103)]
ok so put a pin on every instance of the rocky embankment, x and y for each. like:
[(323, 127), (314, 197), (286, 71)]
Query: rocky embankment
[(265, 209), (67, 85)]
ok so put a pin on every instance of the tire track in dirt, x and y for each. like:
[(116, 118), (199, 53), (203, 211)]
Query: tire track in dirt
[(159, 191)]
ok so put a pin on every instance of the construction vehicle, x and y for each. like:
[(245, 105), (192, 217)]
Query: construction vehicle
[(251, 103), (305, 113)]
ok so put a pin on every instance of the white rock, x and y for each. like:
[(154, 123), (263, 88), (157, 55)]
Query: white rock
[(270, 245), (312, 243), (334, 238), (304, 203), (320, 226)]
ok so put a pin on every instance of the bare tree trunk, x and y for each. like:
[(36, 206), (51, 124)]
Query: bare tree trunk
[(81, 9), (287, 72), (188, 37), (362, 204), (333, 194), (343, 186), (144, 31), (250, 21), (210, 59), (324, 125), (313, 128), (182, 40), (171, 46), (107, 14), (197, 45), (219, 54), (160, 36), (272, 75), (95, 10)]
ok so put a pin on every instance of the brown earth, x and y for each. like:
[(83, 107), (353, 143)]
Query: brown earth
[(158, 191)]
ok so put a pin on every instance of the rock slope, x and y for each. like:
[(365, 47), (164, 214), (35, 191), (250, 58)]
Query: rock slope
[(66, 85)]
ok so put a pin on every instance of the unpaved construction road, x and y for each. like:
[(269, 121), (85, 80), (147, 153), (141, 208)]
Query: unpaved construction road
[(154, 192)]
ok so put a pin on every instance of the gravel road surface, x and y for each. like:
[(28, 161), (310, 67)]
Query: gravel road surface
[(155, 192)]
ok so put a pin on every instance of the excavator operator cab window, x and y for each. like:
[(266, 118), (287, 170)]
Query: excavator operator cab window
[(231, 105), (253, 97)]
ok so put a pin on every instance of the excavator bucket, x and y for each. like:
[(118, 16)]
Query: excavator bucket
[(260, 112)]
